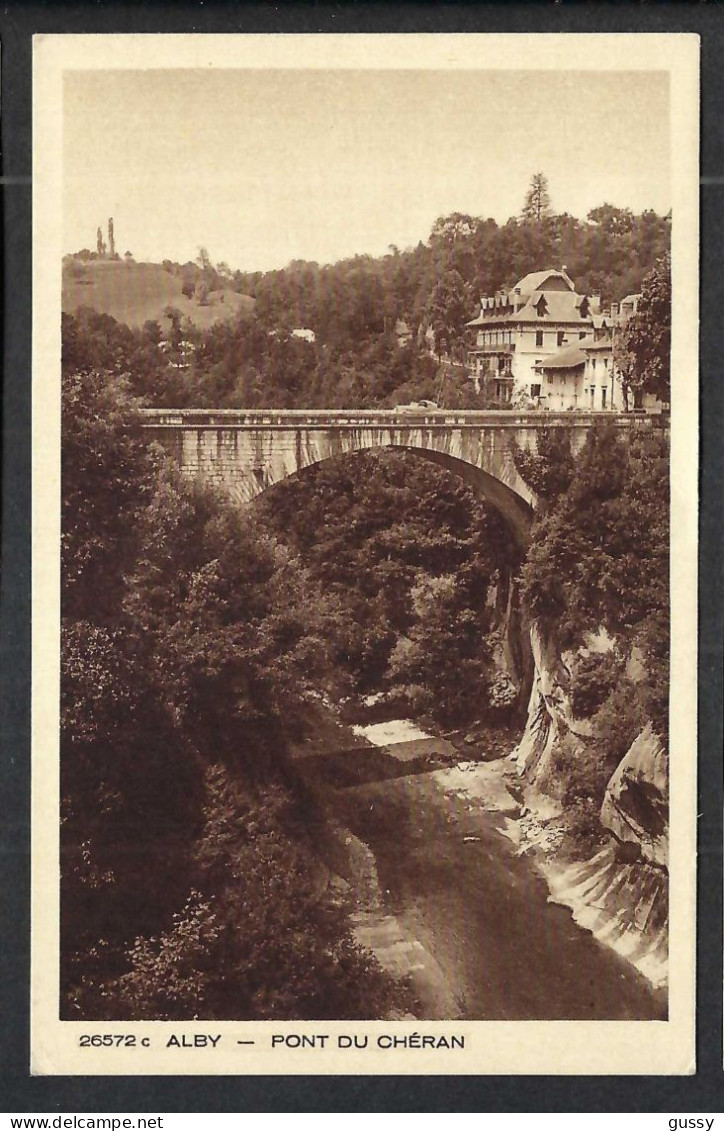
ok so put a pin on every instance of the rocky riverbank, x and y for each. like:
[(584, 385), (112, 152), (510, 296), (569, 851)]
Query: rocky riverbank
[(396, 769), (619, 888)]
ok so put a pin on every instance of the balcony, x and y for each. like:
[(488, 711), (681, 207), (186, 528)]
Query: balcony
[(504, 348)]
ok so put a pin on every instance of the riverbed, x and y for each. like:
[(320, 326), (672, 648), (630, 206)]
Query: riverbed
[(467, 918)]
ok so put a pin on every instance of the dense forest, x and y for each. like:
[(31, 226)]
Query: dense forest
[(380, 326), (190, 884), (195, 634)]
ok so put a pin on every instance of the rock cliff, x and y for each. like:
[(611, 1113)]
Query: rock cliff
[(549, 712), (621, 892), (635, 808)]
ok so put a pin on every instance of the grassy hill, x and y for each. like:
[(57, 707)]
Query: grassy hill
[(133, 293)]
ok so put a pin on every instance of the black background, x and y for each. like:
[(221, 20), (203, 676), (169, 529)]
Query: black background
[(703, 1092)]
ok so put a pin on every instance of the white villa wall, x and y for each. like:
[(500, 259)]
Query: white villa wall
[(562, 389), (526, 352)]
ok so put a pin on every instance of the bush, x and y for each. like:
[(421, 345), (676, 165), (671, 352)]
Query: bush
[(583, 826), (592, 679), (259, 937), (619, 720), (583, 771)]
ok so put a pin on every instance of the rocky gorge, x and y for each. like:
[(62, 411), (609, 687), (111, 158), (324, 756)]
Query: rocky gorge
[(619, 891)]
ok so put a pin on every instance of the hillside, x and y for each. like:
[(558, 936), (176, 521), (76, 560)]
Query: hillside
[(133, 293)]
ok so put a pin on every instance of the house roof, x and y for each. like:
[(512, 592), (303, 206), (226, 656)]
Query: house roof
[(560, 306), (570, 357), (607, 344), (535, 279)]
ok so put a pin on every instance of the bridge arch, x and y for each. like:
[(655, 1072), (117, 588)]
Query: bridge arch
[(245, 453), (517, 511)]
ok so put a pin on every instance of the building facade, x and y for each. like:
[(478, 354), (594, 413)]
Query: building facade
[(517, 330), (544, 345)]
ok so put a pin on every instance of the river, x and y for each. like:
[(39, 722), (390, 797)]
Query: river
[(467, 918)]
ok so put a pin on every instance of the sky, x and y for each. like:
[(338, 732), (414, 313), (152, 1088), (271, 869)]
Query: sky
[(264, 166)]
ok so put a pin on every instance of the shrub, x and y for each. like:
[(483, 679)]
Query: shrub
[(583, 770), (592, 679), (619, 720)]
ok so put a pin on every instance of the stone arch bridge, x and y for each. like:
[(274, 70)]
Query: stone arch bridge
[(245, 452)]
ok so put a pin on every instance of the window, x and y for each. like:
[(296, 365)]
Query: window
[(561, 336), (582, 334), (603, 398), (535, 390), (539, 337), (593, 364)]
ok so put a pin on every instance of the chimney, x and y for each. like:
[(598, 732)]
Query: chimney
[(595, 303)]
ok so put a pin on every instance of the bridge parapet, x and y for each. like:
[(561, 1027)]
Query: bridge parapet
[(349, 418)]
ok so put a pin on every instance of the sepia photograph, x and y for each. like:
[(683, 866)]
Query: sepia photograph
[(365, 613)]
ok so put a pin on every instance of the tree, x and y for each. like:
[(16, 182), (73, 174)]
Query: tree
[(449, 308), (106, 475), (99, 243), (111, 239), (451, 229), (623, 361), (537, 205), (644, 342), (549, 471), (188, 639), (442, 665), (611, 220)]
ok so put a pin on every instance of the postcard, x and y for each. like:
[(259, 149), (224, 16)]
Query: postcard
[(365, 423)]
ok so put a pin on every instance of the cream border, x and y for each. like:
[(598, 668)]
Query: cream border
[(491, 1047)]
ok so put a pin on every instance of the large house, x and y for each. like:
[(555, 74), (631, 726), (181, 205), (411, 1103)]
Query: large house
[(547, 346), (584, 376), (517, 329)]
